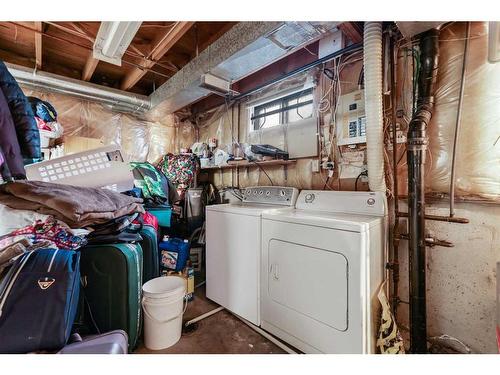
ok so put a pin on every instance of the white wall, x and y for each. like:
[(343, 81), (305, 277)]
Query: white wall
[(461, 281)]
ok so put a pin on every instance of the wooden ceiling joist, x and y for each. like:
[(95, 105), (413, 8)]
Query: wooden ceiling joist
[(159, 48), (89, 68), (38, 45), (352, 30)]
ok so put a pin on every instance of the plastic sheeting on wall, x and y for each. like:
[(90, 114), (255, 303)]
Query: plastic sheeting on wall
[(478, 153), (139, 139)]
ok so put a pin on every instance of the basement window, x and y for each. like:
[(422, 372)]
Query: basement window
[(282, 111)]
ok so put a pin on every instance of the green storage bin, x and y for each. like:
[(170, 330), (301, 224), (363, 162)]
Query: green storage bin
[(163, 214)]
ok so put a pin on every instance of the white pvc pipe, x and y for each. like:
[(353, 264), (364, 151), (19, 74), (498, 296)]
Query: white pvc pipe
[(372, 60), (203, 316), (267, 336)]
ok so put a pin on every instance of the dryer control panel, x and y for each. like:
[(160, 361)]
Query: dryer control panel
[(349, 202), (279, 195)]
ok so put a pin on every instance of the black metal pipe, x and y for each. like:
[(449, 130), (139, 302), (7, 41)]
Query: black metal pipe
[(416, 154), (395, 243)]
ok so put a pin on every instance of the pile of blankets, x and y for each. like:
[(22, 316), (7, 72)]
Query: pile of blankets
[(36, 214), (77, 206)]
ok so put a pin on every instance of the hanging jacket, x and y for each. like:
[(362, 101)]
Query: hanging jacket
[(8, 141), (27, 132)]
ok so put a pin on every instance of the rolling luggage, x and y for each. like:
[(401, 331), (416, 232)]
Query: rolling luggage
[(112, 281), (151, 261), (39, 300), (114, 342)]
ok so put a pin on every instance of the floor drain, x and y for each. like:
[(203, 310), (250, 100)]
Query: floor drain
[(190, 328)]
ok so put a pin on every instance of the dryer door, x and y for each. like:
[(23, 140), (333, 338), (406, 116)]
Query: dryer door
[(309, 281)]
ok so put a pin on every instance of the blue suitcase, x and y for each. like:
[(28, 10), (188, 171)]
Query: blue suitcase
[(38, 301)]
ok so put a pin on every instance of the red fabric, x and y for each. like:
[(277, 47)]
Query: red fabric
[(149, 219), (42, 125)]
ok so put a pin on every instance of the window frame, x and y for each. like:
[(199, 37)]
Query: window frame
[(282, 100)]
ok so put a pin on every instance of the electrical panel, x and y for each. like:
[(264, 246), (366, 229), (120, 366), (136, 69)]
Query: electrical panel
[(351, 119)]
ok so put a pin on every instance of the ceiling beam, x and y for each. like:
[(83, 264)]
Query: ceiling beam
[(38, 45), (352, 30), (91, 62), (159, 48), (89, 68)]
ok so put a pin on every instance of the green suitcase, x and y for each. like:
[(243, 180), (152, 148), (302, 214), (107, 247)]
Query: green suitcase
[(150, 255), (112, 284)]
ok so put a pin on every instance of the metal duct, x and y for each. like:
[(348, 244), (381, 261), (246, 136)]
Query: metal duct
[(116, 99), (243, 50)]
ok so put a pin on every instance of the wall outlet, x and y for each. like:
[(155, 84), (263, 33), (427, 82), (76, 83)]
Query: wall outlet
[(315, 165), (327, 165)]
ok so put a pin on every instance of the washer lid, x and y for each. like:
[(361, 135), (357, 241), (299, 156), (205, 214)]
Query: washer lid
[(349, 222), (249, 209)]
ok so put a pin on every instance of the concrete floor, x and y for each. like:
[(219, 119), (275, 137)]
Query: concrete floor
[(221, 333)]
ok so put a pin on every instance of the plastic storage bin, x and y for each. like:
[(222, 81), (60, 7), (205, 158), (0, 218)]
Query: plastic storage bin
[(163, 214)]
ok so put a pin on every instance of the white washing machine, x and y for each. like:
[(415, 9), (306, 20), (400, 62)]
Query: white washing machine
[(322, 266), (233, 248)]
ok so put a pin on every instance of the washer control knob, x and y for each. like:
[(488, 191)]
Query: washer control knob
[(309, 198)]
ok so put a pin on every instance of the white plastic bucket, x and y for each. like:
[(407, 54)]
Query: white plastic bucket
[(162, 303)]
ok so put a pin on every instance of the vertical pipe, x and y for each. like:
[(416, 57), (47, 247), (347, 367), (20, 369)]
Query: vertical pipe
[(395, 244), (457, 123), (416, 155), (372, 62)]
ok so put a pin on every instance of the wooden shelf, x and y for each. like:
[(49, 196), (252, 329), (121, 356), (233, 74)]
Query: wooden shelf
[(247, 164)]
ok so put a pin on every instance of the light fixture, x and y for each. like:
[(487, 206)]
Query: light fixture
[(113, 40), (215, 84)]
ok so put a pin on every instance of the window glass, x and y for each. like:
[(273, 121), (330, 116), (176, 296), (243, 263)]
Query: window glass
[(286, 110)]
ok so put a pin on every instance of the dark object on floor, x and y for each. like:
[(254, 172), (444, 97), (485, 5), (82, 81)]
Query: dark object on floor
[(112, 280), (28, 135), (114, 342), (38, 301)]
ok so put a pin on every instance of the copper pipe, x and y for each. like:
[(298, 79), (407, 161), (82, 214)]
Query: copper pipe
[(458, 121), (429, 241), (458, 220)]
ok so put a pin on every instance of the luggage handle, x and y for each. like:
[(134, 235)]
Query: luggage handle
[(168, 320)]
